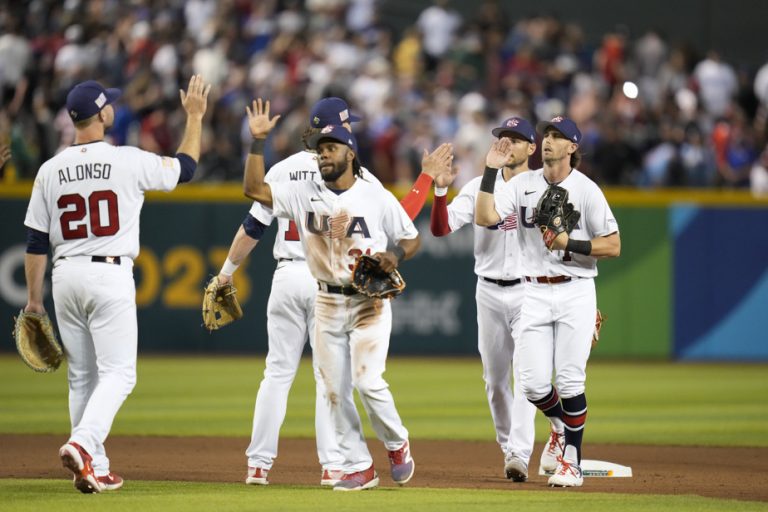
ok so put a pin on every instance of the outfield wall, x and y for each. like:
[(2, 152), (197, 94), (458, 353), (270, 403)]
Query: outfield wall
[(690, 284)]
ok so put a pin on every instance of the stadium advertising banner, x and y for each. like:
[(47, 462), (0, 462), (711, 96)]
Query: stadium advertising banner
[(651, 295)]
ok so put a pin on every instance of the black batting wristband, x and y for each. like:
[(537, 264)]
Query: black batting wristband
[(257, 147), (489, 180), (579, 246), (399, 252)]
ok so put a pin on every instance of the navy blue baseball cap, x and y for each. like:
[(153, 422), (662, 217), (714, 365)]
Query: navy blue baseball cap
[(516, 125), (564, 126), (86, 99), (331, 111), (337, 133)]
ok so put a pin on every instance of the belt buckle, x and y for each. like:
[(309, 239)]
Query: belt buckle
[(109, 259)]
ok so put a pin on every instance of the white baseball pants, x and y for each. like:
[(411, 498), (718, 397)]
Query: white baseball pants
[(556, 325), (96, 314), (290, 319), (498, 312), (351, 343)]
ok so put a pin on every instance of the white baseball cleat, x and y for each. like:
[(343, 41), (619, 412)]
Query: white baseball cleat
[(257, 476), (567, 474), (553, 450), (515, 468)]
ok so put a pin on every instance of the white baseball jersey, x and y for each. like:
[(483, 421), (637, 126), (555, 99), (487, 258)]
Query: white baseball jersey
[(522, 193), (497, 250), (336, 228), (88, 198), (301, 166)]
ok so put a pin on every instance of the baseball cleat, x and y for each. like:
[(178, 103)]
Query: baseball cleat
[(331, 477), (257, 476), (358, 481), (110, 481), (79, 462), (515, 468), (553, 450), (401, 464), (567, 474)]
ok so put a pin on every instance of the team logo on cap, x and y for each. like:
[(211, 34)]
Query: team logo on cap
[(101, 100), (557, 119), (344, 115), (512, 123), (327, 129), (316, 120)]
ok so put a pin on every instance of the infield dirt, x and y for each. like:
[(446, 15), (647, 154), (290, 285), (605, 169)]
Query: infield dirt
[(730, 473)]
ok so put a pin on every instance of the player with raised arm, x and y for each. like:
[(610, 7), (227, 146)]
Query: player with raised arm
[(338, 220), (499, 295), (559, 307), (290, 309), (85, 207)]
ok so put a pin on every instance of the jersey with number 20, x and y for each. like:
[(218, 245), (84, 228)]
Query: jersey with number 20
[(88, 198)]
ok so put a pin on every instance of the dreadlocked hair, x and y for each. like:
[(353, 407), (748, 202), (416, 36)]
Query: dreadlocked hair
[(308, 132)]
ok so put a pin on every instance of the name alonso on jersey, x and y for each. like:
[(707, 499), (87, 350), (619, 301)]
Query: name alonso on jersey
[(81, 172)]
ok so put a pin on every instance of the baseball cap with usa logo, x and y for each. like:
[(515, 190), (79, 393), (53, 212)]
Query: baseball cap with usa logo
[(331, 111), (86, 99), (337, 133), (516, 125), (564, 126)]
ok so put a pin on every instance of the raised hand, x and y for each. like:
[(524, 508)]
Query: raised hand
[(446, 179), (258, 119), (499, 153), (195, 100), (439, 161)]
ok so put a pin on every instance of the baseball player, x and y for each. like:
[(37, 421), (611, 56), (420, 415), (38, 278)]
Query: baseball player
[(85, 207), (557, 317), (338, 220), (290, 317), (499, 295)]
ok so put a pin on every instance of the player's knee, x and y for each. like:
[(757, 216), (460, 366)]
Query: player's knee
[(368, 385), (535, 390)]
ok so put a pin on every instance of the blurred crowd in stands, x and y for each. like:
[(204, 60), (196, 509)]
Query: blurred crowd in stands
[(654, 112)]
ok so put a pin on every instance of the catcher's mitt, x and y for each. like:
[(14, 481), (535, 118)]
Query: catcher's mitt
[(370, 280), (220, 306), (599, 319), (554, 214), (36, 341)]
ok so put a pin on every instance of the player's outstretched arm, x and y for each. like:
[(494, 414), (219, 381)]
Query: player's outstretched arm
[(241, 247), (34, 271), (432, 166), (195, 103), (485, 208), (260, 125), (438, 224)]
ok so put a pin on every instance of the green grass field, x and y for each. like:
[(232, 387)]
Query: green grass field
[(645, 403)]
